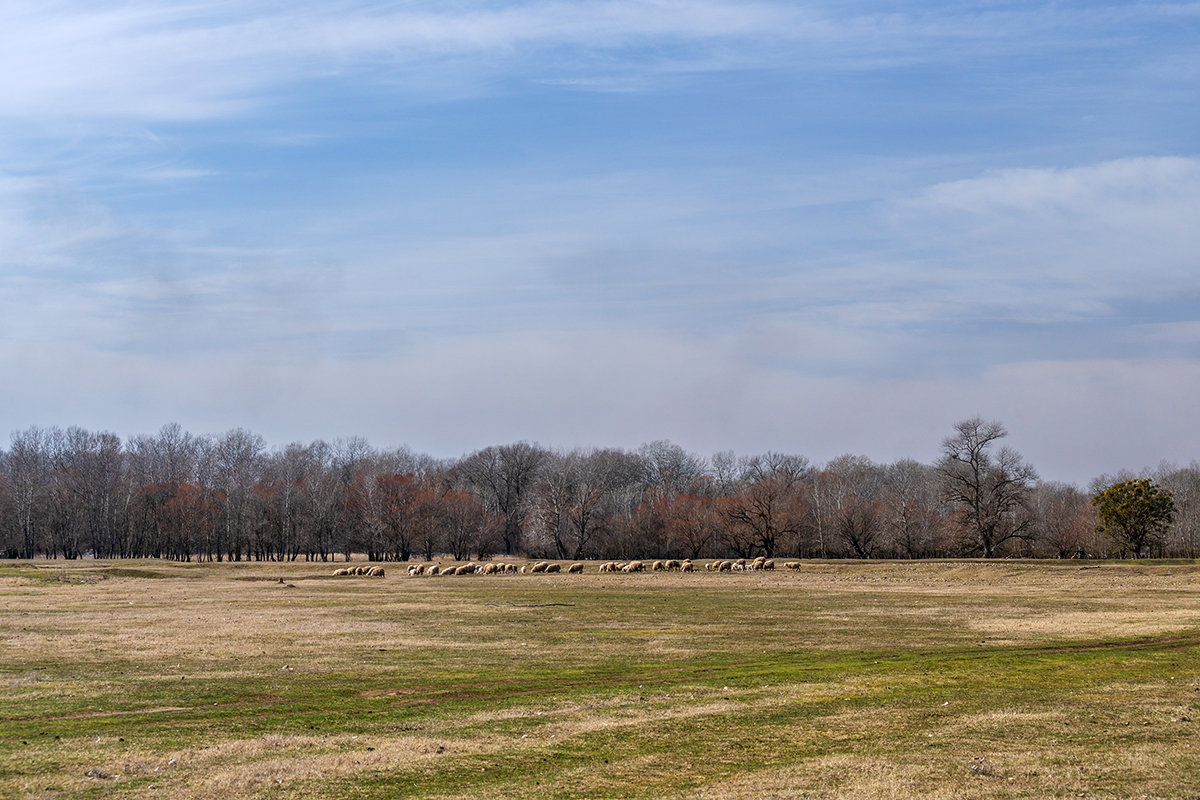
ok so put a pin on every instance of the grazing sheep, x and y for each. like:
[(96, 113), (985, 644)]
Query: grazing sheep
[(375, 572), (539, 567), (574, 568), (553, 567), (674, 564), (489, 569), (342, 571), (792, 565), (768, 564), (725, 566), (634, 566), (686, 566), (432, 569)]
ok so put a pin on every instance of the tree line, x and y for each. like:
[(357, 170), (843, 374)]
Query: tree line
[(72, 493)]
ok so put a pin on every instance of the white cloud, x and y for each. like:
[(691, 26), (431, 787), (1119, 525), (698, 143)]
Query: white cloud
[(182, 61), (1044, 244), (1129, 190), (196, 60)]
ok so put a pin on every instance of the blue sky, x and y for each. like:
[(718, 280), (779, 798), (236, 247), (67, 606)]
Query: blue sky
[(817, 228)]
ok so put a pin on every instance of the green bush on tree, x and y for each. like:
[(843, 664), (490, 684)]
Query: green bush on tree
[(1136, 514)]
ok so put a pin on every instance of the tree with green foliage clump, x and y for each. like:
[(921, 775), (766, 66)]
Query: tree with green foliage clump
[(1136, 513)]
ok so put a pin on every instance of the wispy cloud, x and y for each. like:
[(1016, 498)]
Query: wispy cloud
[(1065, 241), (196, 60), (183, 61)]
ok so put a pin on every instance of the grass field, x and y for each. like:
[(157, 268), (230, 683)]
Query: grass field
[(847, 680)]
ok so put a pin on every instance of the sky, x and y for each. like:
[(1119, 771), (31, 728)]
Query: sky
[(815, 228)]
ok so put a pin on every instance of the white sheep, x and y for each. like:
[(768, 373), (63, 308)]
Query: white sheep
[(575, 568)]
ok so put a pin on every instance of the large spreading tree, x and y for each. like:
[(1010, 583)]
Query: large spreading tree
[(989, 488)]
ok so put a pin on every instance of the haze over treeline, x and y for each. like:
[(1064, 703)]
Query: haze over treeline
[(174, 494)]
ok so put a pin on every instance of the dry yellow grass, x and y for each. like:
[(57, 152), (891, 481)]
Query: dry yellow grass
[(839, 680)]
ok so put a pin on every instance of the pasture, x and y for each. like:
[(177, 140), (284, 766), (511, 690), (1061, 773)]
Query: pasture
[(956, 679)]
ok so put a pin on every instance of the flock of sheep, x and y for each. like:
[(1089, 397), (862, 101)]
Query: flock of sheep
[(372, 572), (506, 568)]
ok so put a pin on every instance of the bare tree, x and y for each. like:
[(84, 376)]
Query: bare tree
[(28, 471), (502, 477), (577, 496), (669, 469), (1183, 483), (727, 470), (860, 525), (1065, 526), (847, 503), (693, 523), (988, 488), (465, 524), (769, 509), (239, 461), (170, 456), (911, 500)]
